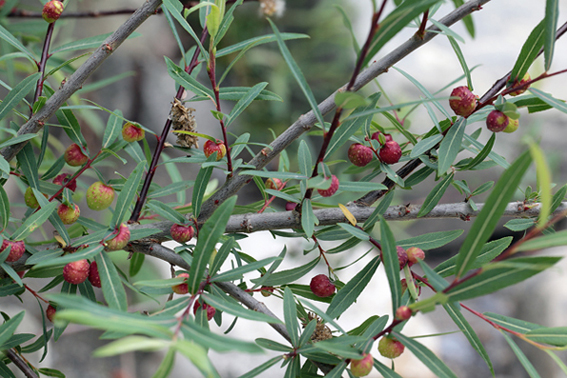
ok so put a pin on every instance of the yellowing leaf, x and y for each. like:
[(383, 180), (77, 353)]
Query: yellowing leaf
[(348, 214)]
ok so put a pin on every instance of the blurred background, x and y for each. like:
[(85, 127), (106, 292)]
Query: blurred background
[(145, 91)]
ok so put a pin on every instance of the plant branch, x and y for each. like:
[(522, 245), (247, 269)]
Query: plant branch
[(20, 13), (20, 363), (254, 222), (306, 121), (75, 81)]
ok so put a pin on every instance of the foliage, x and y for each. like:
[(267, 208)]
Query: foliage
[(216, 278)]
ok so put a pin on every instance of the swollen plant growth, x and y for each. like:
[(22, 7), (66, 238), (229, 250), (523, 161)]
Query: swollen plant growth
[(86, 234)]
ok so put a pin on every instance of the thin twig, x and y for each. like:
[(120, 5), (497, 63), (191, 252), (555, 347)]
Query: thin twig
[(43, 62), (136, 212)]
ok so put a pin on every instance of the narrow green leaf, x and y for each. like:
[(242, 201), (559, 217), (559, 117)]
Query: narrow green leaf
[(127, 194), (556, 336), (546, 241), (489, 251), (136, 263), (425, 145), (26, 159), (431, 240), (175, 7), (261, 368), (237, 273), (435, 195), (379, 211), (357, 233), (112, 287), (450, 34), (297, 74), (131, 344), (549, 99), (273, 345), (450, 146), (71, 126), (51, 372), (454, 312), (201, 183), (519, 224), (307, 332), (220, 343), (87, 43), (499, 275), (361, 186), (17, 139), (304, 159), (238, 311), (166, 212), (8, 37), (467, 20), (86, 253), (288, 276), (197, 355), (521, 356), (543, 182), (290, 317), (513, 324), (166, 365), (493, 155), (256, 41), (172, 188), (483, 188), (558, 361), (209, 236), (213, 20), (428, 94), (9, 327), (385, 371), (279, 175), (529, 52), (308, 218), (4, 208), (491, 213), (350, 127), (34, 221), (237, 93), (293, 367), (461, 58), (185, 80), (244, 102), (341, 349), (337, 371), (428, 358), (221, 256), (348, 294), (389, 256), (113, 128), (551, 16)]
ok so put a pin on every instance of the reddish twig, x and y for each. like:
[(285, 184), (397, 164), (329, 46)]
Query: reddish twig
[(161, 142), (421, 31), (43, 62), (212, 77)]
